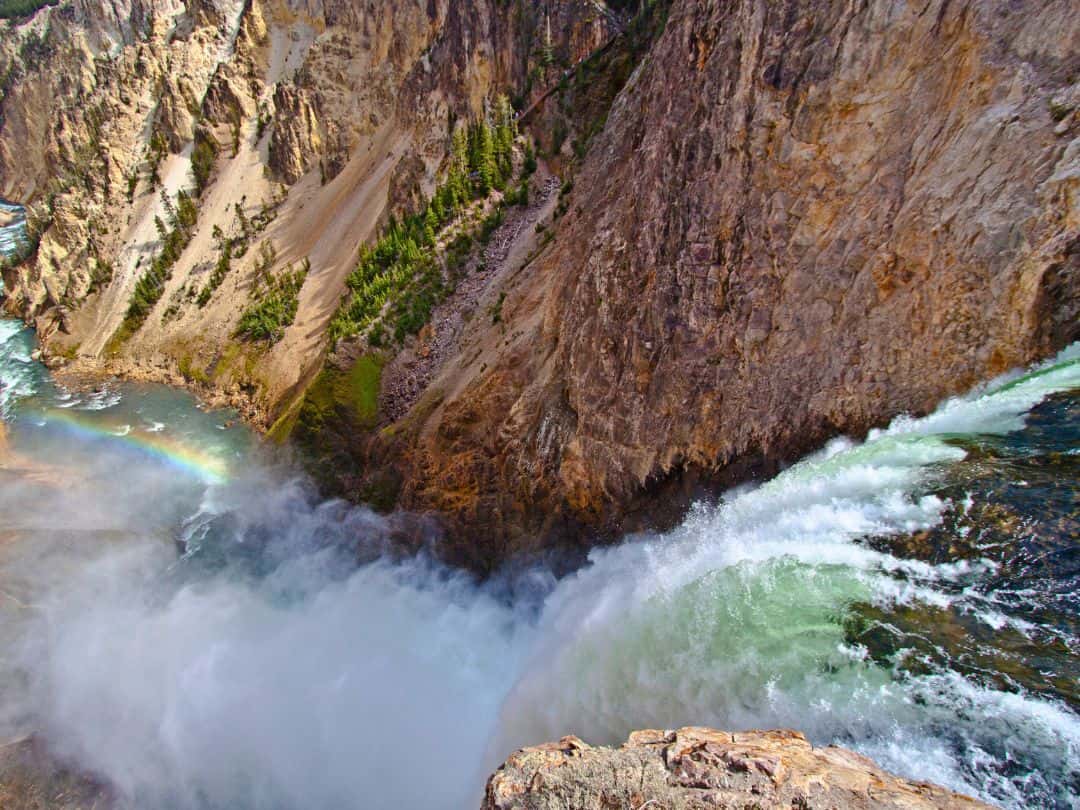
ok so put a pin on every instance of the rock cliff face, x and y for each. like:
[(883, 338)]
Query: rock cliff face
[(778, 222), (290, 123), (699, 768), (799, 220)]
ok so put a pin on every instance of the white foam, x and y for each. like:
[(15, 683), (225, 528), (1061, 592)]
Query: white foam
[(306, 689)]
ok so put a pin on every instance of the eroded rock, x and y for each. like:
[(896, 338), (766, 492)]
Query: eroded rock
[(697, 768), (800, 220)]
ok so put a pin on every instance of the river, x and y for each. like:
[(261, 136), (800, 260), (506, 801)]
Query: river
[(186, 618)]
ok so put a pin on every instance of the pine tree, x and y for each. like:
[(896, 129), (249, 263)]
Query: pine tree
[(457, 182), (242, 218), (487, 168), (169, 210), (186, 213), (547, 51), (431, 225), (505, 133), (474, 147)]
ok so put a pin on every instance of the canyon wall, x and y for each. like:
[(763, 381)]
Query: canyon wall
[(297, 128), (775, 223), (799, 220)]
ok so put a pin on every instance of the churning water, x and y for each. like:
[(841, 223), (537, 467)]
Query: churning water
[(12, 228), (189, 622)]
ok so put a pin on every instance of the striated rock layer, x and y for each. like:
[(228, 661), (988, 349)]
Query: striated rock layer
[(699, 768)]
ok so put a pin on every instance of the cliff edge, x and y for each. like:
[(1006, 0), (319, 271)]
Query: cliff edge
[(698, 768)]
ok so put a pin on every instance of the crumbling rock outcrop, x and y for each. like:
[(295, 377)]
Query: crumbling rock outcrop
[(297, 141), (176, 113), (701, 769)]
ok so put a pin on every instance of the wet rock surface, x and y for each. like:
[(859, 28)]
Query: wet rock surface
[(30, 779)]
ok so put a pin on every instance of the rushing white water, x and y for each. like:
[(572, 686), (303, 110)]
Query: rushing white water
[(278, 676), (735, 619), (12, 228), (20, 376)]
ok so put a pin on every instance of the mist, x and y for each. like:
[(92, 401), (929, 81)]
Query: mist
[(264, 669), (218, 645)]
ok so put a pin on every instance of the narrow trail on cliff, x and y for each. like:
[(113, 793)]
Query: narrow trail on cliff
[(201, 637)]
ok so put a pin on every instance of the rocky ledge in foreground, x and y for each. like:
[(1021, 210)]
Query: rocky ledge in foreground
[(703, 768)]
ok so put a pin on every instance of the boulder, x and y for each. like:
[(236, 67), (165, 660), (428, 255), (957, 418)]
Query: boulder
[(696, 768)]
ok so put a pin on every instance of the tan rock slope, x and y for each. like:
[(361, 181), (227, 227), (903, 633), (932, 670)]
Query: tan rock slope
[(700, 768), (305, 126)]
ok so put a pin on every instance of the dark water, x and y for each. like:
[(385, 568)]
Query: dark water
[(1015, 508)]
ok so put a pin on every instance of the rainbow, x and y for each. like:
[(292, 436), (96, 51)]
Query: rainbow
[(203, 465)]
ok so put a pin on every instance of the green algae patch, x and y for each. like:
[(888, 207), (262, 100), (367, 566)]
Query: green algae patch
[(353, 394), (282, 428), (360, 389), (331, 425)]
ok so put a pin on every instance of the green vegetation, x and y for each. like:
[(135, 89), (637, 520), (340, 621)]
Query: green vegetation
[(262, 121), (1059, 111), (217, 275), (519, 195), (359, 389), (274, 310), (234, 130), (11, 9), (190, 372), (203, 155), (337, 405), (399, 280), (175, 236), (353, 395), (495, 310), (155, 153), (100, 276), (68, 352), (234, 247)]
